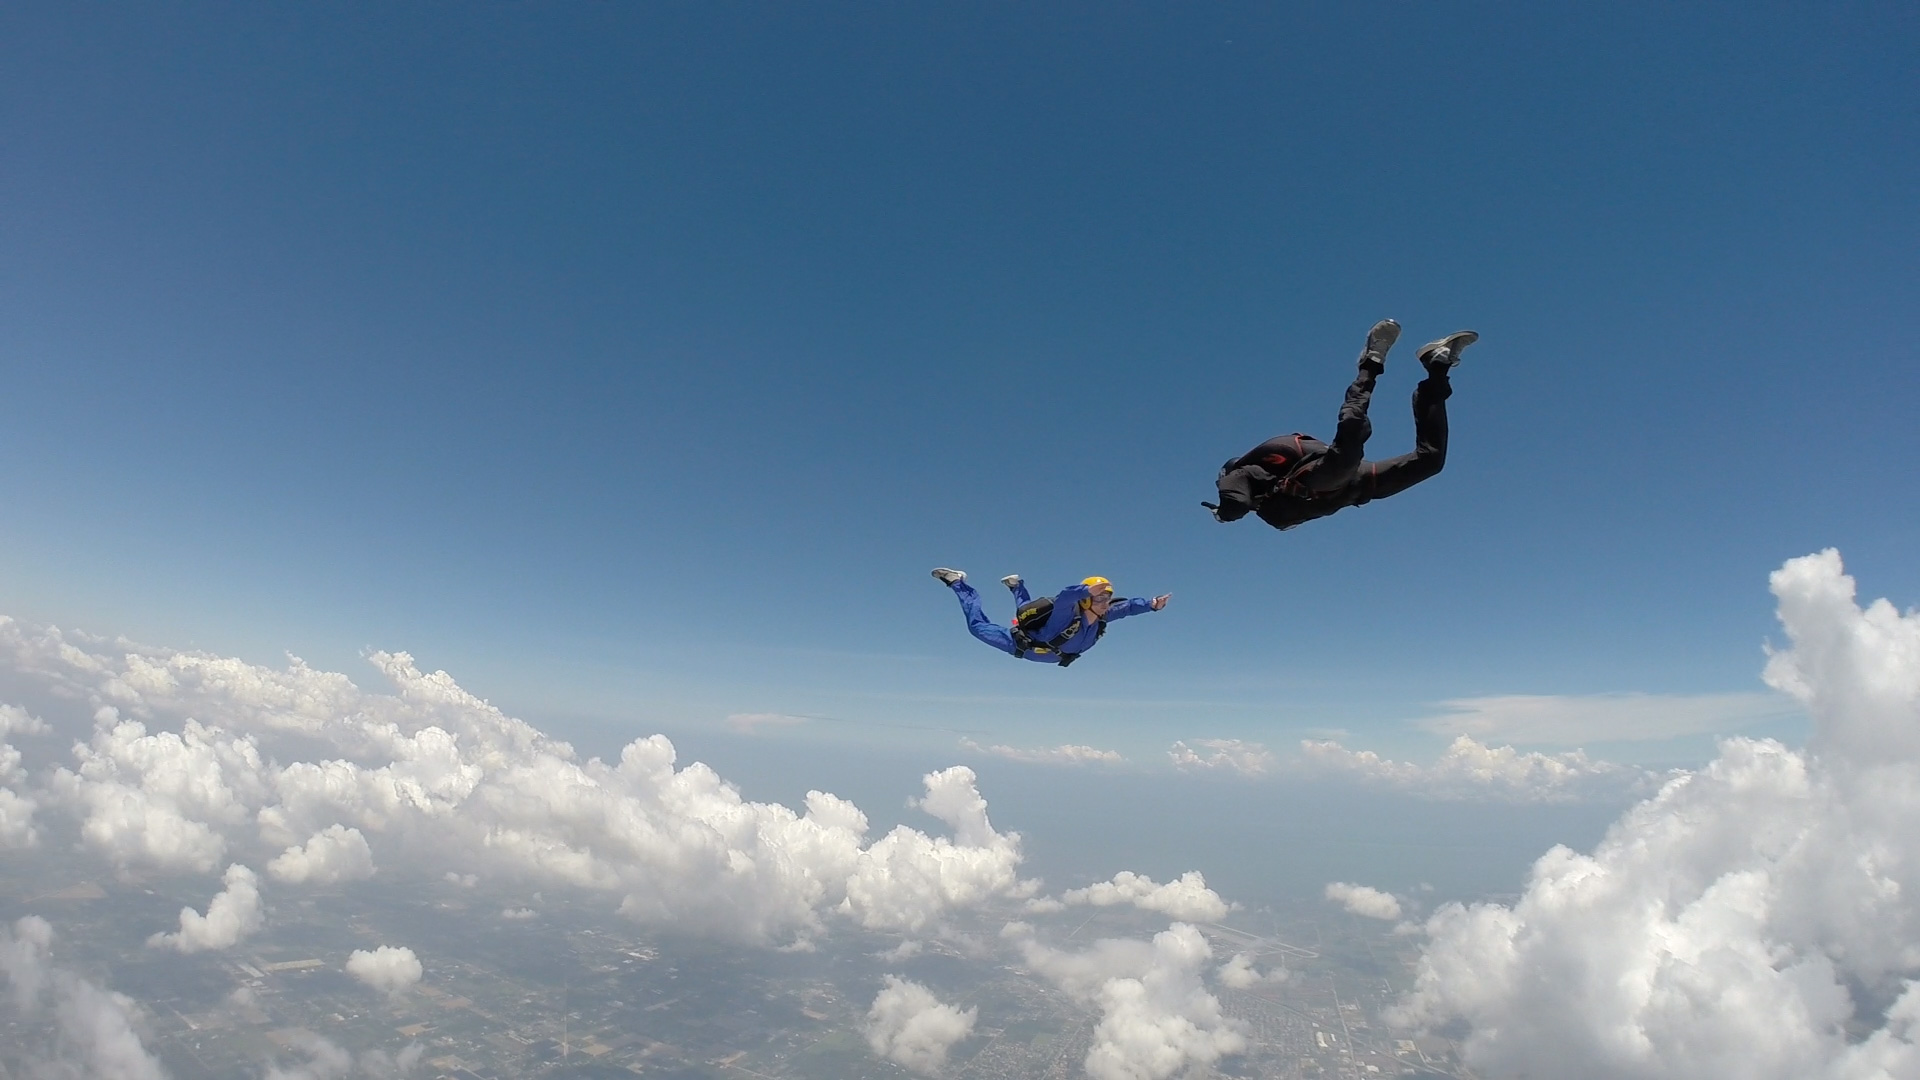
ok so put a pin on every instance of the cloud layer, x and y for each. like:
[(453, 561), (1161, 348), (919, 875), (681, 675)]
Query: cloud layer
[(1232, 756), (1759, 918), (1065, 754), (194, 760), (1570, 720), (1469, 770)]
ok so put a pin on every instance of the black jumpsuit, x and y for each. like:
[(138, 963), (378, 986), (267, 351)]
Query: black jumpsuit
[(1294, 478)]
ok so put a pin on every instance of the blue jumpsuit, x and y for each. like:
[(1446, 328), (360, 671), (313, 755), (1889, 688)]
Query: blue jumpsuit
[(1066, 606)]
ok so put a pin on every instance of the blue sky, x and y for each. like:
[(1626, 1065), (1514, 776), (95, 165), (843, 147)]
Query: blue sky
[(635, 363)]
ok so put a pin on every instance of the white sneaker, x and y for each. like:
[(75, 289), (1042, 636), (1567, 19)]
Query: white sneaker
[(1445, 353), (1381, 338), (949, 577), (1011, 581)]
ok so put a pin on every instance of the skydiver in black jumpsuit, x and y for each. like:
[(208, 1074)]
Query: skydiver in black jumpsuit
[(1294, 478)]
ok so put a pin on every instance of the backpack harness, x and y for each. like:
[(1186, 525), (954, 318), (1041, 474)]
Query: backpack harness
[(1289, 469), (1029, 620)]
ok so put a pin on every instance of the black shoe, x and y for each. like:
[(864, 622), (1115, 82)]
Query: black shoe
[(1443, 354)]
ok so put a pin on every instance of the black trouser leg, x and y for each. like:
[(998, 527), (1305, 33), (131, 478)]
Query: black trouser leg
[(1380, 479), (1347, 454)]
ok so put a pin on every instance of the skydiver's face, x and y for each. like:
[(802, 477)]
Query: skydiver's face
[(1099, 602)]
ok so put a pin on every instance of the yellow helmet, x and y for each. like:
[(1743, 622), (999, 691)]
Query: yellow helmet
[(1098, 583)]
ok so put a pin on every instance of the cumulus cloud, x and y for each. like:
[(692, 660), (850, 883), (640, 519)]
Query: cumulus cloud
[(16, 807), (1223, 755), (332, 855), (1186, 898), (71, 1027), (162, 799), (519, 913), (388, 969), (233, 914), (1239, 973), (1363, 900), (1758, 918), (193, 757), (1156, 1017), (907, 1025), (16, 820), (907, 879), (1569, 720), (1469, 770), (1065, 754)]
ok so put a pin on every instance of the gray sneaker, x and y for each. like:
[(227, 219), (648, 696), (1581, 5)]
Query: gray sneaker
[(1011, 581), (949, 577), (1445, 353), (1381, 338)]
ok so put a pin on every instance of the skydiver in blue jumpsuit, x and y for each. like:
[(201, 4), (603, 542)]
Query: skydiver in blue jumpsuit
[(1079, 617)]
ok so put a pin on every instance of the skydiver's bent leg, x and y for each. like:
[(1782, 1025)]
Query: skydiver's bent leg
[(1021, 596), (977, 622), (1380, 479), (1344, 458)]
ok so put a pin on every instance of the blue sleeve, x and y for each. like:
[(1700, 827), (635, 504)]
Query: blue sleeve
[(1124, 608), (1066, 608)]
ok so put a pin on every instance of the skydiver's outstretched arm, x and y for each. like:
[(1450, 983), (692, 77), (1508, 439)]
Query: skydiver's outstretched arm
[(1137, 606)]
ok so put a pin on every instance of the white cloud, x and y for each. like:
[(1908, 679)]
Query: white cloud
[(907, 1025), (1759, 918), (194, 756), (1065, 754), (332, 855), (1570, 720), (326, 1060), (1364, 900), (519, 913), (1156, 1017), (72, 1027), (1187, 898), (388, 969), (162, 799), (907, 879), (1239, 973), (15, 720), (233, 914), (748, 723), (1226, 755), (16, 820), (16, 807), (1468, 770)]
